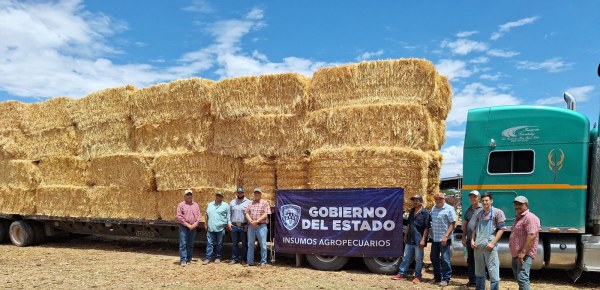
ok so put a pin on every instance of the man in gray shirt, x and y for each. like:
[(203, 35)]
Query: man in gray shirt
[(468, 226), (239, 228)]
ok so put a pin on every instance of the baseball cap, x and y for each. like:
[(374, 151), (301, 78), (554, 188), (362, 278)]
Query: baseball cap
[(188, 192), (240, 189), (521, 199), (257, 190), (417, 197), (474, 192), (219, 193)]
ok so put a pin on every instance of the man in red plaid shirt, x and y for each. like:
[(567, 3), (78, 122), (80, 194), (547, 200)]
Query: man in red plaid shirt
[(523, 241), (257, 214)]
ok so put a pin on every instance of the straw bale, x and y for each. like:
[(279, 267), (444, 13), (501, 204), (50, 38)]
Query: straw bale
[(376, 82), (260, 95), (106, 139), (167, 200), (268, 135), (59, 141), (62, 201), (17, 200), (370, 167), (129, 171), (48, 115), (195, 169), (105, 106), (292, 173), (181, 99), (260, 172), (11, 115), (386, 125), (60, 170), (437, 134), (10, 144), (121, 203), (174, 135), (19, 174), (433, 175)]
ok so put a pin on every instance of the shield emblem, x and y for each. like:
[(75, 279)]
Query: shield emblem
[(290, 216)]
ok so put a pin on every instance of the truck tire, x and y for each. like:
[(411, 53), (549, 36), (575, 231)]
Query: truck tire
[(383, 265), (38, 233), (3, 231), (327, 263), (21, 233)]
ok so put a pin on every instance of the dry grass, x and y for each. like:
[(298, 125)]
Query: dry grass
[(292, 172), (122, 203), (129, 171), (59, 170), (62, 201), (49, 115), (107, 138), (260, 172), (19, 174), (175, 135), (105, 106), (11, 115), (58, 141), (16, 200)]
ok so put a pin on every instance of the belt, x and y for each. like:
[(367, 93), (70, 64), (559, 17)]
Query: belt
[(240, 224)]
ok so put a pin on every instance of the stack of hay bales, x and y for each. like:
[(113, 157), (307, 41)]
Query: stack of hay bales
[(375, 122)]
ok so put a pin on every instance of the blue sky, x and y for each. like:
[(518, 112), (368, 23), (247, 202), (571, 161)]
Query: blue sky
[(493, 52)]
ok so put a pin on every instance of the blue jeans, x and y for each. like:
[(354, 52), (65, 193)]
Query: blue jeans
[(410, 252), (487, 259), (239, 235), (437, 250), (186, 243), (470, 262), (214, 239), (259, 233), (521, 272)]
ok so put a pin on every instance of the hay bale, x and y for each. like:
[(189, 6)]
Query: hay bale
[(437, 134), (130, 171), (58, 141), (59, 170), (260, 172), (49, 115), (17, 200), (195, 169), (105, 106), (11, 115), (433, 176), (175, 135), (292, 173), (370, 167), (121, 203), (178, 100), (167, 200), (10, 144), (21, 174), (403, 81), (108, 138), (259, 95), (385, 125), (268, 135), (62, 201)]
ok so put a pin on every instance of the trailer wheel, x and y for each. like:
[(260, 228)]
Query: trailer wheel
[(327, 263), (3, 231), (38, 232), (21, 233), (383, 265)]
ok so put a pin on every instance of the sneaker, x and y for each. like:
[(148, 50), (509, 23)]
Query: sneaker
[(249, 264), (206, 261), (398, 277), (183, 263), (232, 262), (217, 261), (443, 283), (417, 280), (262, 266)]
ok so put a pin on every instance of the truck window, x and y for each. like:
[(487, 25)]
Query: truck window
[(511, 162)]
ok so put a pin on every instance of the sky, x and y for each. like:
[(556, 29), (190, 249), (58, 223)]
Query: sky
[(493, 52)]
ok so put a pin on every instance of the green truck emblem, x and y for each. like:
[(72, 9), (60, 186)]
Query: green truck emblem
[(555, 163)]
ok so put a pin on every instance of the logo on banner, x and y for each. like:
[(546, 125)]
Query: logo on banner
[(290, 216)]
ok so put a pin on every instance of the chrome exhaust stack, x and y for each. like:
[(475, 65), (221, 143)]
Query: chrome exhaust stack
[(570, 100)]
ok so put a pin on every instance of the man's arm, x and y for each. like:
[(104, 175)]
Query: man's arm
[(424, 238), (448, 233), (526, 247)]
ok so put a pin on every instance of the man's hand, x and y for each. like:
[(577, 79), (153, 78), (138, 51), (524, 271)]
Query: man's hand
[(473, 245), (490, 246), (228, 227), (254, 224), (464, 242), (444, 241), (521, 257), (405, 239), (422, 243)]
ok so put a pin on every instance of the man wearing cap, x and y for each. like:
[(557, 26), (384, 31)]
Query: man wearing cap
[(415, 239), (257, 214), (523, 241), (217, 219), (188, 216), (237, 209), (468, 226), (489, 227), (443, 220)]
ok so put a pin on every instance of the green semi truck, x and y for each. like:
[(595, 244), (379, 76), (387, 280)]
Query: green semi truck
[(551, 156)]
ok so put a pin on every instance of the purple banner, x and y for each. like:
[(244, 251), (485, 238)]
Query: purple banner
[(340, 222)]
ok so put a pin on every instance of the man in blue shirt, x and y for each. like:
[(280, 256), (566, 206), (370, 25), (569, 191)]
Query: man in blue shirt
[(443, 220), (239, 226), (217, 219), (415, 239)]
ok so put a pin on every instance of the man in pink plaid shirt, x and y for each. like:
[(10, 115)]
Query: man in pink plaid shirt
[(523, 242), (257, 214)]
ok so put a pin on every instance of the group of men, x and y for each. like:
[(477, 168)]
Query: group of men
[(246, 220), (483, 226)]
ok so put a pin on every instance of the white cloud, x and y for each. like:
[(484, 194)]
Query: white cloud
[(201, 6), (551, 65), (452, 163), (455, 134), (476, 95), (581, 94), (490, 77), (480, 60), (369, 55), (464, 46), (464, 34), (453, 69), (502, 53), (506, 27)]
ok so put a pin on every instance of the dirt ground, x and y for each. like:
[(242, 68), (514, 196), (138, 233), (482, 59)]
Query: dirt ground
[(100, 263)]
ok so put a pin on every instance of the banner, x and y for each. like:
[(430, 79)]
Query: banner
[(340, 222)]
